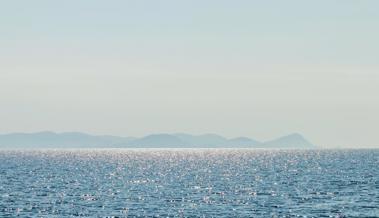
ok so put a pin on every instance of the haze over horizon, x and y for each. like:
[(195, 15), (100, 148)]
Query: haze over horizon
[(163, 140), (245, 68)]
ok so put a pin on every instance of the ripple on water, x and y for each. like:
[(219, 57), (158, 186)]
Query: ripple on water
[(190, 183)]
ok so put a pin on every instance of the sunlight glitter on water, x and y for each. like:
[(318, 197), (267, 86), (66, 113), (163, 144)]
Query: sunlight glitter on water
[(189, 183)]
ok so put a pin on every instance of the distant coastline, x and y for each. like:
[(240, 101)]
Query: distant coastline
[(178, 140)]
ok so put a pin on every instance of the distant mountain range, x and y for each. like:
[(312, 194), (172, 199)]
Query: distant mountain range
[(178, 140)]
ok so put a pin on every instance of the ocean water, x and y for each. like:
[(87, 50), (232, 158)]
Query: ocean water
[(189, 183)]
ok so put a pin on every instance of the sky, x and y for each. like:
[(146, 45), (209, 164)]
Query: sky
[(260, 69)]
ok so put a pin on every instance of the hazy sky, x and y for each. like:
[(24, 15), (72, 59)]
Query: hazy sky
[(255, 68)]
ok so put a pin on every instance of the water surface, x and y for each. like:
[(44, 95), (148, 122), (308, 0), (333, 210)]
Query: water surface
[(189, 183)]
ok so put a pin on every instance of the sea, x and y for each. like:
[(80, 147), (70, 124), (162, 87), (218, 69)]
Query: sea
[(189, 183)]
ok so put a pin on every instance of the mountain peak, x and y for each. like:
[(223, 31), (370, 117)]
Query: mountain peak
[(294, 140)]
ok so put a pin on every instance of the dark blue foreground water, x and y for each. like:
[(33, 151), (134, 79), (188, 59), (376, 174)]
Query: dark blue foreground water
[(189, 183)]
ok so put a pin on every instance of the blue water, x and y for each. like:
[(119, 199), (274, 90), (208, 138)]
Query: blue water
[(189, 183)]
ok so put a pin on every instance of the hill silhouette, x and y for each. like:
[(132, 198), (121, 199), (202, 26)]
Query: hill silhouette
[(164, 140)]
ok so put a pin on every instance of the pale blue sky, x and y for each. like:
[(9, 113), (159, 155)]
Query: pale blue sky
[(254, 68)]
